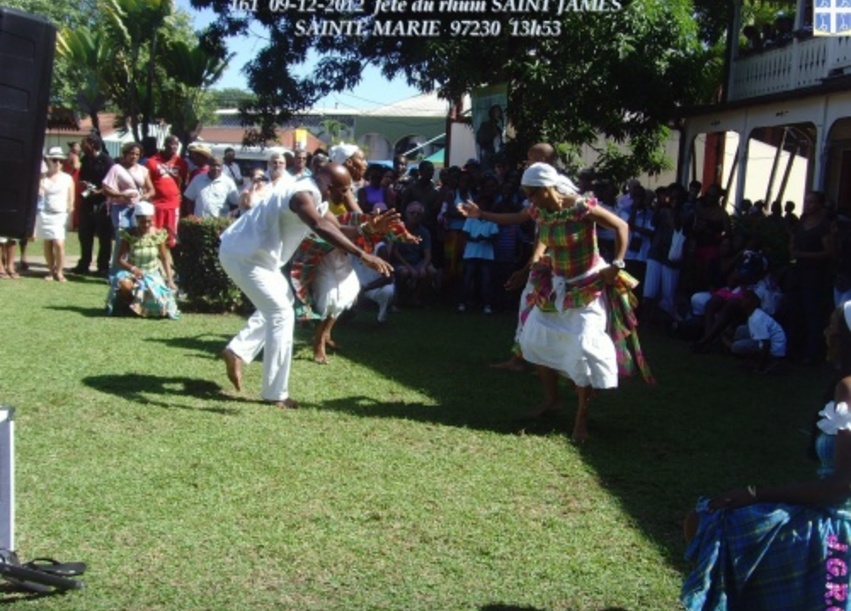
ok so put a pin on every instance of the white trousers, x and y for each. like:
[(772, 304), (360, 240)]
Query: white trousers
[(383, 296), (660, 282), (271, 326)]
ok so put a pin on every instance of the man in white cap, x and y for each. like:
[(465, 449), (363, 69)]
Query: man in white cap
[(254, 248)]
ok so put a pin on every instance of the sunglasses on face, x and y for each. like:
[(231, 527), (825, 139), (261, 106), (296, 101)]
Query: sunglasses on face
[(52, 160)]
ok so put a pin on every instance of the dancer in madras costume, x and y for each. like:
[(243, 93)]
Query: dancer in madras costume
[(143, 283), (323, 279), (582, 315), (783, 547)]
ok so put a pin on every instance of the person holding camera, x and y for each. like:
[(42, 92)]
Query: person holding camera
[(93, 217), (257, 190)]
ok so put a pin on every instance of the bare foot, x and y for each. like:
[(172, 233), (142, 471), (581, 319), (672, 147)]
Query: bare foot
[(234, 367), (61, 278), (513, 364), (320, 359), (580, 428), (330, 343), (49, 277), (286, 404), (544, 409)]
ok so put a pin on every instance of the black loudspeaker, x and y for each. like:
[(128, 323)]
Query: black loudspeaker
[(27, 44)]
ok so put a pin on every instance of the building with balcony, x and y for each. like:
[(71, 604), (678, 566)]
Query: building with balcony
[(783, 122)]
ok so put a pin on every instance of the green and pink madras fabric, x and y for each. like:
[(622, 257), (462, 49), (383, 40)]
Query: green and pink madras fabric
[(620, 303), (312, 249)]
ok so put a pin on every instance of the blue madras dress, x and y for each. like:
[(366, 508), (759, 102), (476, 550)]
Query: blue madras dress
[(771, 557)]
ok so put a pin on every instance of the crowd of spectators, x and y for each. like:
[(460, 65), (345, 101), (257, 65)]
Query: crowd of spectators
[(696, 254)]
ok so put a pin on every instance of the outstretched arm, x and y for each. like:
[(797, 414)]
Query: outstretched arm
[(329, 229), (471, 210)]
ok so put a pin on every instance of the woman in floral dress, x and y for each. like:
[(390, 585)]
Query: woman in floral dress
[(144, 283)]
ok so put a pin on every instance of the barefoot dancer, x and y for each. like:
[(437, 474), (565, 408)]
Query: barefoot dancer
[(252, 252), (575, 294), (542, 152)]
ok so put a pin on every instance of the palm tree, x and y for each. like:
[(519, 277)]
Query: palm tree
[(87, 53), (334, 129), (194, 70), (136, 25)]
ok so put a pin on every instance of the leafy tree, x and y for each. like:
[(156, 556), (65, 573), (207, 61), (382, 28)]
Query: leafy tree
[(142, 57), (620, 74)]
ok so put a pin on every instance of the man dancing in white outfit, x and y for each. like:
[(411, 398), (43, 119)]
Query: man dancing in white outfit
[(252, 252)]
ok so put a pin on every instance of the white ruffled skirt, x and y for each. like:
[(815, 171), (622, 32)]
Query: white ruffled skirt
[(336, 285), (574, 343)]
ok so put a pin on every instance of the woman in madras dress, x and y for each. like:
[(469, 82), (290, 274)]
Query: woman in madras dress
[(582, 305), (783, 547), (144, 283)]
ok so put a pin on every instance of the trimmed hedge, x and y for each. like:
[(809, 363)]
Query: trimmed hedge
[(201, 278)]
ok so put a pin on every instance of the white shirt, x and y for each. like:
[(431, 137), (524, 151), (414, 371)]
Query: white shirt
[(269, 233), (762, 328), (644, 220), (212, 197)]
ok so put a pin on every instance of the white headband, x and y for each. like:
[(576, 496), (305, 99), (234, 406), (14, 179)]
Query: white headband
[(545, 175)]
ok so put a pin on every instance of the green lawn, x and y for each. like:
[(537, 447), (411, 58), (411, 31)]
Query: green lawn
[(408, 480)]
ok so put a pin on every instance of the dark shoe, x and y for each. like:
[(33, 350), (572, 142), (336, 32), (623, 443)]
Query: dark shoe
[(82, 271)]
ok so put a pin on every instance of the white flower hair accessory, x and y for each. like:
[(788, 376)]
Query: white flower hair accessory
[(835, 417)]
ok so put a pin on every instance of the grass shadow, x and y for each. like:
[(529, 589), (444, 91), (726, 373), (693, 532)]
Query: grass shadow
[(87, 312), (138, 388), (207, 345), (709, 425)]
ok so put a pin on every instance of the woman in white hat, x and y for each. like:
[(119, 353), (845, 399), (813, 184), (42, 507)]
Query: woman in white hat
[(144, 283), (582, 314), (57, 192)]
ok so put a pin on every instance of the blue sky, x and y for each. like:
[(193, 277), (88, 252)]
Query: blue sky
[(365, 95)]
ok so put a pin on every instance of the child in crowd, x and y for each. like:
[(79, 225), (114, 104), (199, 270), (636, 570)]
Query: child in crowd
[(762, 337), (481, 235)]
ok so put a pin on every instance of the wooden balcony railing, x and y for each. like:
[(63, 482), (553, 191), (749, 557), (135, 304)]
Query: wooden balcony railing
[(801, 63)]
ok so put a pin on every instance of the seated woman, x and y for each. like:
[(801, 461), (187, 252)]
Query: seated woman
[(143, 284), (783, 547)]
